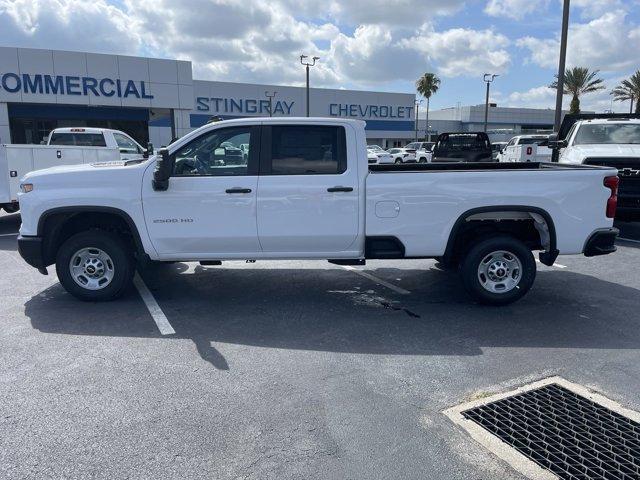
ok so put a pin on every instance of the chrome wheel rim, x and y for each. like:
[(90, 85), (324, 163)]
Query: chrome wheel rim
[(500, 272), (91, 268)]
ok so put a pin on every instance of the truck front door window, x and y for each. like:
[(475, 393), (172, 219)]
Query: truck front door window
[(125, 144), (222, 152)]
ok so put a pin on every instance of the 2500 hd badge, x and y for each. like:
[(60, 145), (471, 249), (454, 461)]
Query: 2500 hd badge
[(173, 220)]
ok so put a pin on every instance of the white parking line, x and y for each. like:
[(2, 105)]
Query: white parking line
[(384, 283), (557, 265), (628, 240), (154, 309), (8, 234)]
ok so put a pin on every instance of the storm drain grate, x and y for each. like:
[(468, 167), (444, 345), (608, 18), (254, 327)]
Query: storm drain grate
[(565, 433)]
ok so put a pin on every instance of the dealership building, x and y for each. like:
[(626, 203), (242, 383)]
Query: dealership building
[(502, 122), (156, 100)]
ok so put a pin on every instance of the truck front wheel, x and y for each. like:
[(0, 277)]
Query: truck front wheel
[(95, 266), (498, 270)]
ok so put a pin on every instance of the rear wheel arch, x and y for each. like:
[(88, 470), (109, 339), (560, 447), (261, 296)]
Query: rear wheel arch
[(58, 224), (479, 223)]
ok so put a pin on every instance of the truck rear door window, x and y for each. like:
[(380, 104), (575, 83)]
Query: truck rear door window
[(306, 150), (62, 139)]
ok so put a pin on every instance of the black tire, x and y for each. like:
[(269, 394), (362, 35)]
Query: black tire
[(471, 276), (398, 161), (120, 254)]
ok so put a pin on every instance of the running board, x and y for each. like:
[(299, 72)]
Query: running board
[(348, 261)]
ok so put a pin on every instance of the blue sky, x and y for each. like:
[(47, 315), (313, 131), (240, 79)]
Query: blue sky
[(363, 44)]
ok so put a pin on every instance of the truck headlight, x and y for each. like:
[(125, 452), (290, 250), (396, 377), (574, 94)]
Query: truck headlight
[(26, 187)]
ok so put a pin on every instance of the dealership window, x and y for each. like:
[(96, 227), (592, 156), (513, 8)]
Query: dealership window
[(220, 152), (32, 123), (307, 150)]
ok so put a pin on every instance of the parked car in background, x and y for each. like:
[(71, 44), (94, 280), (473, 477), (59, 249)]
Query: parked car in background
[(610, 140), (63, 146), (526, 148), (462, 147), (402, 155), (96, 137), (422, 151), (496, 148), (245, 150), (376, 148), (304, 193), (378, 157)]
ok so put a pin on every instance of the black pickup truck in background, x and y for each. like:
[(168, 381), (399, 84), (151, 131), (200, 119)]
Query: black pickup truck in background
[(462, 147)]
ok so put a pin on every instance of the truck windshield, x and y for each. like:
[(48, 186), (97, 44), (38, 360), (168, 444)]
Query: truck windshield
[(608, 134)]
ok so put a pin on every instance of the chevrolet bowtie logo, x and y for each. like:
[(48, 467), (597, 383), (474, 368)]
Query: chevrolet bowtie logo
[(629, 172)]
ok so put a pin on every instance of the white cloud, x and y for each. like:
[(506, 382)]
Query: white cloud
[(67, 24), (608, 42), (373, 55), (516, 9), (545, 97), (462, 51), (399, 13)]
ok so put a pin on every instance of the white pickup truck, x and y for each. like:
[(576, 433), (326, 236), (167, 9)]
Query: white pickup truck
[(306, 191), (126, 146), (63, 146), (611, 140), (526, 148)]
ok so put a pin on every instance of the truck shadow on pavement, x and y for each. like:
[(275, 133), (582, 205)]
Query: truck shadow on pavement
[(334, 310)]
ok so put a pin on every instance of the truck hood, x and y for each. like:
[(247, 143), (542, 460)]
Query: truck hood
[(85, 169)]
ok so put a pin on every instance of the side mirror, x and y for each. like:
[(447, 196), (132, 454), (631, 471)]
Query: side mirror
[(555, 143), (149, 151), (163, 170)]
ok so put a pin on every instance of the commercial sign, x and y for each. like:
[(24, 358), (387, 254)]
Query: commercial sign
[(73, 85)]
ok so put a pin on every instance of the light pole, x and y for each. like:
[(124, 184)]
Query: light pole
[(417, 102), (488, 78), (270, 97), (561, 65), (307, 64)]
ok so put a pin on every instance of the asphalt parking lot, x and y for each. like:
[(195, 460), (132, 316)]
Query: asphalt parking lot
[(294, 369)]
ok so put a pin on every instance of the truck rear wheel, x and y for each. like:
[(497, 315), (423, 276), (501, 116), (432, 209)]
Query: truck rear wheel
[(498, 270), (95, 266)]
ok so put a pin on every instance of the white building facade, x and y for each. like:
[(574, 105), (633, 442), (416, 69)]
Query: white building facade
[(156, 100), (503, 123)]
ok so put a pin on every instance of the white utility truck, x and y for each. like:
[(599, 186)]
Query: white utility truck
[(610, 140), (63, 146), (306, 191), (526, 148)]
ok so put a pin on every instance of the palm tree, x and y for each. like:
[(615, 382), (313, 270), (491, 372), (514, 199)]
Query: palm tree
[(578, 81), (427, 85), (629, 90)]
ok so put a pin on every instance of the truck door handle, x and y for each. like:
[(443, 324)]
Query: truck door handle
[(238, 190), (339, 189)]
